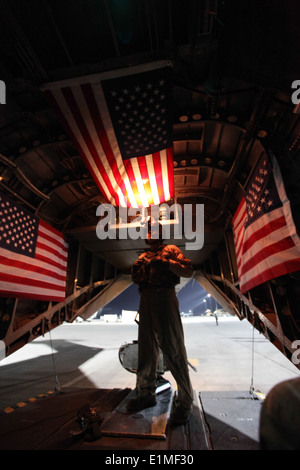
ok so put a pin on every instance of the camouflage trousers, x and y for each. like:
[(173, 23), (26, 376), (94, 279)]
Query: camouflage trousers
[(160, 326)]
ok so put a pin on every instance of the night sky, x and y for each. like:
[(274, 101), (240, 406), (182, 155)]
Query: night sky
[(191, 297)]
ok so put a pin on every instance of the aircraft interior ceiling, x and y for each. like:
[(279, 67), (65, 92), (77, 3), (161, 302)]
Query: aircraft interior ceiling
[(233, 65)]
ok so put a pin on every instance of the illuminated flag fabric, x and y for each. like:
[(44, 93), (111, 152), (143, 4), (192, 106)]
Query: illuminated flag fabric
[(33, 255), (266, 242), (121, 124)]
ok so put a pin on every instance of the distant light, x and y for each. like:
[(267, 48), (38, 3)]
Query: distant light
[(261, 133)]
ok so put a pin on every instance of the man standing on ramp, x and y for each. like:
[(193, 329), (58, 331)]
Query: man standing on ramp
[(157, 271)]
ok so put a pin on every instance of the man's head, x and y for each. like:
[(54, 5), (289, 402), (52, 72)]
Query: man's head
[(154, 236)]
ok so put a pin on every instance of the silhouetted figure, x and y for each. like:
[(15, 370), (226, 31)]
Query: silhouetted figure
[(280, 417), (157, 271)]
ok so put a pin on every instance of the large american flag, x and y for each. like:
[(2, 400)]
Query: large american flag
[(266, 241), (121, 124), (33, 255)]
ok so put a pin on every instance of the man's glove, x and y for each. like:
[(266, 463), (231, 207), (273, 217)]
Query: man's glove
[(160, 263)]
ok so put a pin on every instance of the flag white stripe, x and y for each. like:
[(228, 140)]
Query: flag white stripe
[(60, 255), (269, 246), (23, 289), (116, 181), (60, 241), (32, 275), (105, 116), (83, 106), (270, 262), (60, 100), (276, 235), (139, 182), (16, 258), (152, 178), (50, 257), (164, 166)]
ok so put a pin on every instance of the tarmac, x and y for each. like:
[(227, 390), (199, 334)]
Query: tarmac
[(47, 382)]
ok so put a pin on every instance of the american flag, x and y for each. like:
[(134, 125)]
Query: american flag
[(33, 255), (121, 124), (266, 242)]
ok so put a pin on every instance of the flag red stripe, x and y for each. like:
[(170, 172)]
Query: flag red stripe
[(49, 249), (31, 268), (240, 214), (272, 273), (267, 247), (239, 245), (145, 176), (132, 181), (170, 171), (30, 282), (87, 109), (55, 232), (263, 232), (267, 252), (42, 276), (28, 295), (49, 261), (68, 94), (51, 99), (98, 123), (158, 176), (61, 250)]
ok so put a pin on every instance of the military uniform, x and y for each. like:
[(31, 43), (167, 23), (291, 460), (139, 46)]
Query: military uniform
[(157, 272)]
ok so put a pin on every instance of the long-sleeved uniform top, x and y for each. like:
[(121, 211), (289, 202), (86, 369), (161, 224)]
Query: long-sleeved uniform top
[(162, 268)]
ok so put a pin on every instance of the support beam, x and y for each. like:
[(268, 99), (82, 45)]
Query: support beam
[(216, 293), (109, 293), (17, 336)]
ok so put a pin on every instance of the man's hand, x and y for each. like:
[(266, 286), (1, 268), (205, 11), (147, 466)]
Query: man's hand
[(159, 263)]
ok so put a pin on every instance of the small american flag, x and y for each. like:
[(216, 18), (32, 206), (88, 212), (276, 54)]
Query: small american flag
[(121, 124), (33, 255), (266, 241)]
